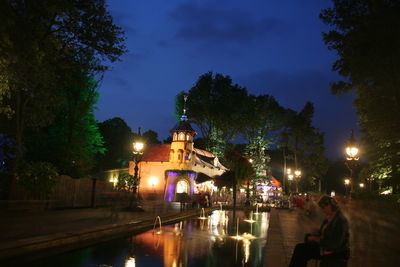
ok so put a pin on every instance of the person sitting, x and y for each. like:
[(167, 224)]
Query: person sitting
[(330, 244)]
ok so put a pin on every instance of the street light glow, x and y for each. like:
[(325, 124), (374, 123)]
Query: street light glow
[(362, 185), (352, 152), (290, 176), (138, 146), (346, 181), (297, 173)]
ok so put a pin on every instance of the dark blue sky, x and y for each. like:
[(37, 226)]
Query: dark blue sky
[(269, 47)]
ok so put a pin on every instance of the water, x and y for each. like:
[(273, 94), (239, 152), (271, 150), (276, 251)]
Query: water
[(193, 242)]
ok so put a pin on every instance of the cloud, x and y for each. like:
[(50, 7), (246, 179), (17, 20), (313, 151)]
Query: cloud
[(207, 23)]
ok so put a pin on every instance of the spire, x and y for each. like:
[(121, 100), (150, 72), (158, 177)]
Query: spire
[(184, 117)]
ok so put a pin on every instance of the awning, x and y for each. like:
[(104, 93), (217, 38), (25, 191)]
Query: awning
[(201, 178)]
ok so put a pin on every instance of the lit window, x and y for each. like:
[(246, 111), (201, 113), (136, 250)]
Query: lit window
[(182, 136)]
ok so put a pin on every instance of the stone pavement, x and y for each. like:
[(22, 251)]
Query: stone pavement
[(286, 229), (374, 234)]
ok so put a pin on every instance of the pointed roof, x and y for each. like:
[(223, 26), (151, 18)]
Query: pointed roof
[(183, 126)]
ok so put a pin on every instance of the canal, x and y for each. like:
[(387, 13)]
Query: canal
[(222, 238)]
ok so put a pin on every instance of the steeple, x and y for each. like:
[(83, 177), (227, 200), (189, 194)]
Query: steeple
[(182, 140)]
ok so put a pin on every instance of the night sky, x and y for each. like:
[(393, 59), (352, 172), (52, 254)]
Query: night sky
[(269, 47)]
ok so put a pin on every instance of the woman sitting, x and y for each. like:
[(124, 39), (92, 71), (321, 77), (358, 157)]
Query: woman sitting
[(330, 244)]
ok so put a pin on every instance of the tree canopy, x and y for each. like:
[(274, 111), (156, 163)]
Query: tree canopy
[(365, 35), (46, 49)]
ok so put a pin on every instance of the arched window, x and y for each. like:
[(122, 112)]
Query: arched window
[(182, 136), (175, 137), (182, 186), (188, 137)]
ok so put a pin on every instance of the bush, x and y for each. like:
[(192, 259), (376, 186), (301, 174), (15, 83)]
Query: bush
[(37, 178)]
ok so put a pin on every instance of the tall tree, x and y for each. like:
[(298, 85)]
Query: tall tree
[(41, 43), (303, 144), (365, 35), (215, 104), (118, 138), (72, 141), (263, 116)]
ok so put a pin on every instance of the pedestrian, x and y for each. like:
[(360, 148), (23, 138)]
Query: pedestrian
[(330, 244)]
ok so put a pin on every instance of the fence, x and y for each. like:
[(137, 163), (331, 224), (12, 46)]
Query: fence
[(68, 193)]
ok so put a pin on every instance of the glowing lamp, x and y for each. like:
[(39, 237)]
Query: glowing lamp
[(297, 173), (138, 147), (153, 181), (351, 148), (290, 176), (346, 181)]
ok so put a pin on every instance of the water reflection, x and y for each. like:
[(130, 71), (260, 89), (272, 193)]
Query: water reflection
[(193, 242)]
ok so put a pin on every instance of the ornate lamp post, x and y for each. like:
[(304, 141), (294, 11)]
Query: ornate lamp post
[(352, 157), (138, 146)]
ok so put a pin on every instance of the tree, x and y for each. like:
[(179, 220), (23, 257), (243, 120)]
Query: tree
[(215, 105), (366, 38), (118, 139), (41, 44), (151, 138), (304, 145), (73, 140), (263, 116), (240, 169)]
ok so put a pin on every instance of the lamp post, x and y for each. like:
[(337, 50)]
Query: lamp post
[(138, 146), (352, 157), (290, 178), (297, 174)]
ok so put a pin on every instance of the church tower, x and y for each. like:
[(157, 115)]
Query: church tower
[(181, 154)]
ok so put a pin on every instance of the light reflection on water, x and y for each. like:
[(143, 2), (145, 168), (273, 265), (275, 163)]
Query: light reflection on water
[(192, 242)]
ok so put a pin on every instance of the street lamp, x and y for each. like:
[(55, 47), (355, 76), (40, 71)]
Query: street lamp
[(352, 156), (138, 146)]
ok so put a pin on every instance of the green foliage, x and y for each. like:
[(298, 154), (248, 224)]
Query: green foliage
[(37, 178), (365, 37), (127, 181), (215, 105), (73, 140), (47, 47)]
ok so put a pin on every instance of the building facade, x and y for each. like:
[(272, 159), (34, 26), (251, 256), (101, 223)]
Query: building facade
[(171, 171)]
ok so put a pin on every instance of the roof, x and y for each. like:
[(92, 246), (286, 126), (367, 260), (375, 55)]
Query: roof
[(275, 182), (207, 159), (157, 153), (183, 126), (202, 177)]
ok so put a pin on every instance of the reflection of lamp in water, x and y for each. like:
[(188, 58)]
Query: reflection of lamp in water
[(246, 247)]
